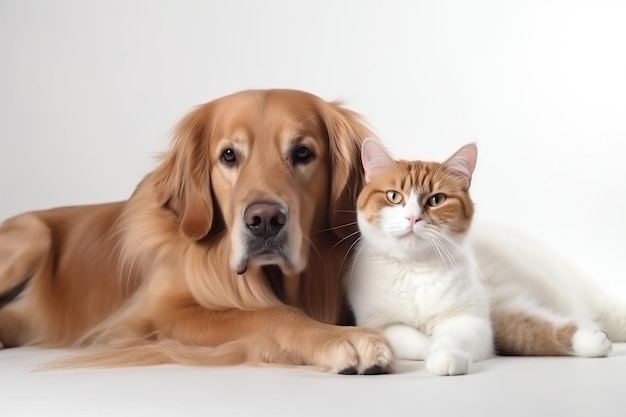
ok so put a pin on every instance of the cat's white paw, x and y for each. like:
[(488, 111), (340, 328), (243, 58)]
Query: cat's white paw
[(591, 343), (448, 362), (407, 342)]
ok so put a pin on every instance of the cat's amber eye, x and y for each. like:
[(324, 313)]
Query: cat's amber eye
[(394, 197), (436, 200)]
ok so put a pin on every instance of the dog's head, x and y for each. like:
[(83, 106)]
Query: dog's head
[(269, 167)]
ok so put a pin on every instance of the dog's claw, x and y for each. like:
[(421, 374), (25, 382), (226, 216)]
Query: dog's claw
[(372, 370), (375, 370), (348, 371)]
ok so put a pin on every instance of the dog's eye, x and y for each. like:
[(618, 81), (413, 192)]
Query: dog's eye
[(302, 155), (229, 156)]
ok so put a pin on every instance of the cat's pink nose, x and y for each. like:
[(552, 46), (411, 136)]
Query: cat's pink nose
[(413, 219)]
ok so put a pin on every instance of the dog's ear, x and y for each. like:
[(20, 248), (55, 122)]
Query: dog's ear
[(346, 132), (182, 180)]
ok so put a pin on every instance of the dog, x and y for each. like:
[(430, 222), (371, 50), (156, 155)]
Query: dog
[(230, 251)]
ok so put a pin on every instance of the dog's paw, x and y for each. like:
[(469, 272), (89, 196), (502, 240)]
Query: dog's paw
[(448, 362), (591, 343), (357, 351)]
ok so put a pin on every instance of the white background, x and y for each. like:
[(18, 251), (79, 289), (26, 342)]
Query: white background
[(89, 91)]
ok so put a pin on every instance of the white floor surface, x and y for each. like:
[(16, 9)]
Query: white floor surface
[(503, 386)]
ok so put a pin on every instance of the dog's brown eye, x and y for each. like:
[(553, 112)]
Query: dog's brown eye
[(302, 155), (436, 200), (229, 156)]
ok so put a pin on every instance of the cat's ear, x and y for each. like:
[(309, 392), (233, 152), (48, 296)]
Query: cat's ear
[(463, 162), (375, 158)]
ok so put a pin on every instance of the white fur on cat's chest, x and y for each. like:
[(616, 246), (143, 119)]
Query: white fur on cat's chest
[(384, 291)]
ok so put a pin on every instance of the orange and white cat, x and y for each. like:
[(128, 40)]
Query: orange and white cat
[(414, 275), (452, 292)]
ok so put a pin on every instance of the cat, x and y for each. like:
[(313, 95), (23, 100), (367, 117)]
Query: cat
[(540, 305), (414, 275)]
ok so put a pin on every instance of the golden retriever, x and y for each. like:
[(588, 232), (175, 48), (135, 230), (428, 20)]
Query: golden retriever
[(230, 251)]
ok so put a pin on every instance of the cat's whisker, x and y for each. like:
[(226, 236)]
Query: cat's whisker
[(453, 242), (435, 246), (319, 255), (336, 227), (458, 270), (483, 278), (435, 237), (449, 261), (460, 249), (344, 239), (354, 258)]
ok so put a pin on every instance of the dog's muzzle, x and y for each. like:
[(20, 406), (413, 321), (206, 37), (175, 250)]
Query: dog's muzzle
[(265, 220), (265, 235)]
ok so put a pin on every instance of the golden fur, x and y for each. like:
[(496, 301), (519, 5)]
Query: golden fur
[(168, 275)]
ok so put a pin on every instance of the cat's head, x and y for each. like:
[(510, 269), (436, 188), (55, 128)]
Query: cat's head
[(410, 206)]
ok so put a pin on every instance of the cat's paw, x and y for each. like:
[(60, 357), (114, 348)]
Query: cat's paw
[(591, 343), (448, 362), (407, 342)]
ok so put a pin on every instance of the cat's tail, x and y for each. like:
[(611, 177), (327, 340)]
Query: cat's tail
[(516, 264), (610, 313)]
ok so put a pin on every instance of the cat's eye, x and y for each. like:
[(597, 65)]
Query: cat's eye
[(394, 197), (436, 200)]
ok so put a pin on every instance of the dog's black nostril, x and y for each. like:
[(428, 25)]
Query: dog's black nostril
[(265, 219), (256, 222), (279, 220)]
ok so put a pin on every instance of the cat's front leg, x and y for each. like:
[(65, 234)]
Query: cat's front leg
[(457, 343), (407, 342)]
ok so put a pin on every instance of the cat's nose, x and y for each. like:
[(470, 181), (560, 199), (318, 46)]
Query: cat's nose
[(413, 220)]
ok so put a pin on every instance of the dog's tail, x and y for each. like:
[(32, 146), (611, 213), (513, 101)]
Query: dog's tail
[(141, 352)]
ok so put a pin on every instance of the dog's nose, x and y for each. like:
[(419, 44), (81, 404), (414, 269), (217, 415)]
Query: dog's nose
[(265, 219)]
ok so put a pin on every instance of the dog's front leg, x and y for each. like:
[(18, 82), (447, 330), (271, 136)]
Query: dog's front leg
[(279, 335)]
